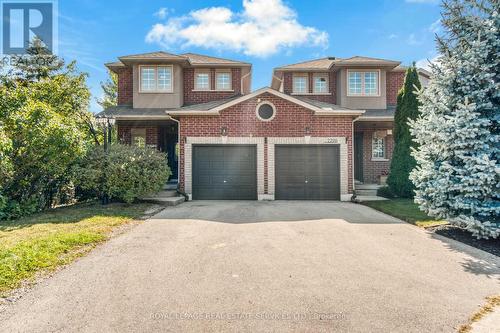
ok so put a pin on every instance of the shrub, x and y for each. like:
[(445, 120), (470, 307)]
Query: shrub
[(385, 192), (125, 173)]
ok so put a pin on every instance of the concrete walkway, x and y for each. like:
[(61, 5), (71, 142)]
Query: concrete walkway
[(262, 267)]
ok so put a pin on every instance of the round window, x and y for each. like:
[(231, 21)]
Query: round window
[(266, 111)]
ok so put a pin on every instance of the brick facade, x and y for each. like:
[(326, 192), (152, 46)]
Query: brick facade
[(394, 82), (291, 121), (372, 169), (196, 97), (125, 136), (125, 86), (332, 86)]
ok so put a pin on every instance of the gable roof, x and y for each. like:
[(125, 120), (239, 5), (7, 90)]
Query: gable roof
[(316, 64), (187, 59), (200, 59), (318, 107)]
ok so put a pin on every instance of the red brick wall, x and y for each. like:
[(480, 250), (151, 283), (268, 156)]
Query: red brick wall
[(125, 135), (332, 84), (373, 169), (125, 86), (197, 97), (394, 82), (290, 121)]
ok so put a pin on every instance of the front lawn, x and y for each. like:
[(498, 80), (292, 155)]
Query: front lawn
[(404, 209), (44, 241)]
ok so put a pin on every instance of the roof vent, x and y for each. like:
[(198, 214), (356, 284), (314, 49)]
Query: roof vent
[(331, 58)]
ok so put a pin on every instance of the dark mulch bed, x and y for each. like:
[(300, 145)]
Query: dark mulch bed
[(489, 245)]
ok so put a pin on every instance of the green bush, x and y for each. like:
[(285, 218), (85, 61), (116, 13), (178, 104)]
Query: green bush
[(385, 192), (125, 173)]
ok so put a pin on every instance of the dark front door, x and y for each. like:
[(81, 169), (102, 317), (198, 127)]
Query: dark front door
[(358, 156), (169, 144), (224, 172), (307, 172)]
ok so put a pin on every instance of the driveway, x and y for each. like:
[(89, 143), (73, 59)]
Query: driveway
[(262, 267)]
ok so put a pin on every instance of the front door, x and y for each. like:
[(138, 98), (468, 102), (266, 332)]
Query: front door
[(358, 156), (169, 144)]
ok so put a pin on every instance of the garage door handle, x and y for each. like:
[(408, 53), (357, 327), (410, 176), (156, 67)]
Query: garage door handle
[(307, 181)]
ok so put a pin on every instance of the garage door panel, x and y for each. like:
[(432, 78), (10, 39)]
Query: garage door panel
[(224, 172), (307, 172)]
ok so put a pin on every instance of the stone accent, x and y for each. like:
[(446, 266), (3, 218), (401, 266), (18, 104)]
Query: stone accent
[(196, 97), (125, 86), (344, 159), (394, 82), (188, 158)]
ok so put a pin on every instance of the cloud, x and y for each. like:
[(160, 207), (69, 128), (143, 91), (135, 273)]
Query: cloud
[(422, 1), (162, 13), (392, 36), (263, 28), (435, 27), (425, 63), (413, 40)]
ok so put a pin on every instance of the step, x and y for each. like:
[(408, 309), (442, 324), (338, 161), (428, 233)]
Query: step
[(170, 201), (167, 194), (170, 186), (366, 192), (368, 186)]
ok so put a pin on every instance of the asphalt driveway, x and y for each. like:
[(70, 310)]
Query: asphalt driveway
[(264, 266)]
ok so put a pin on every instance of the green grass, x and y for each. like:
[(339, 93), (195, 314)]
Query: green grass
[(44, 241), (406, 210)]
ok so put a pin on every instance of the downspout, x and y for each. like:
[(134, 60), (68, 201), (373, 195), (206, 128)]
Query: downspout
[(178, 160), (353, 160)]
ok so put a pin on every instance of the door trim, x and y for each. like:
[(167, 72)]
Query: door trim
[(220, 140), (344, 159)]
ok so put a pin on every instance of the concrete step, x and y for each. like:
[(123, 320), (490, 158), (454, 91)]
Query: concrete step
[(167, 194), (366, 192), (170, 186), (168, 201), (368, 186)]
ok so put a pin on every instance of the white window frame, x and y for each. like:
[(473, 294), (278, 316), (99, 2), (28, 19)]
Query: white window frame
[(327, 84), (230, 82), (384, 147), (204, 72), (139, 133), (304, 76), (156, 90), (363, 72)]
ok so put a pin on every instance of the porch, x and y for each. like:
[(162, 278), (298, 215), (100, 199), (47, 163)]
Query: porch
[(373, 147), (158, 134)]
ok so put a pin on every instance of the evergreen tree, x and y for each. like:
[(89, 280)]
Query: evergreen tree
[(39, 63), (458, 170), (110, 90), (402, 162)]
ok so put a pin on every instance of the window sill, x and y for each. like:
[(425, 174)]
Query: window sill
[(209, 90), (156, 92), (311, 94), (380, 160), (354, 95)]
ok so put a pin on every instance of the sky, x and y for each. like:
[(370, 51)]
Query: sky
[(266, 33)]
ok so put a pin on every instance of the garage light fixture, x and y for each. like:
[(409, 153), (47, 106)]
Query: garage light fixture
[(223, 131)]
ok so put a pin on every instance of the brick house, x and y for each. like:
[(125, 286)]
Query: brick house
[(321, 129)]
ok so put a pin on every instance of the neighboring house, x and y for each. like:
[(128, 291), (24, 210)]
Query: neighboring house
[(321, 125)]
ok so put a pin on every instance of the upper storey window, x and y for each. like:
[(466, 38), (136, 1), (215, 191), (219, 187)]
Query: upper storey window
[(156, 79), (363, 83), (202, 81), (300, 84), (223, 80), (320, 84)]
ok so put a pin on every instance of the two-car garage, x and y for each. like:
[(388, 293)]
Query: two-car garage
[(302, 172)]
